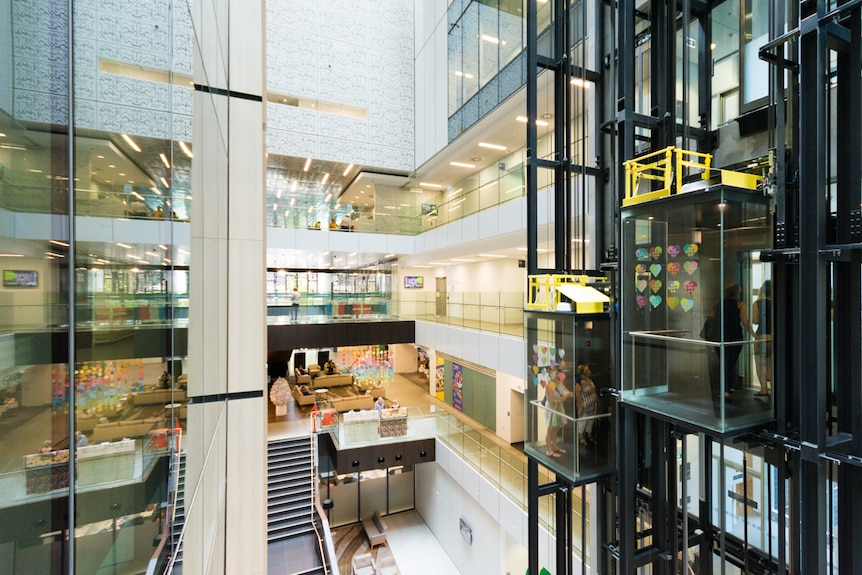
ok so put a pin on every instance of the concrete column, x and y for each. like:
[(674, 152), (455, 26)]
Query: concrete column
[(226, 437)]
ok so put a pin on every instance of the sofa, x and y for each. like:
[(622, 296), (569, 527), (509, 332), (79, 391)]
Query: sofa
[(303, 395), (386, 564), (375, 528), (335, 380), (363, 564), (123, 428), (158, 396), (301, 378), (352, 402)]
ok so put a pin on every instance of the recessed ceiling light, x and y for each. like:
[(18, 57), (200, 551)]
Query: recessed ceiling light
[(122, 245), (476, 159), (111, 166), (328, 197), (2, 135), (462, 165), (307, 165), (325, 177), (101, 157), (59, 243), (430, 185), (275, 207), (491, 39), (11, 255), (547, 115), (121, 174), (165, 161), (389, 256), (36, 171), (347, 170), (523, 120), (163, 246), (294, 185), (165, 182), (579, 82), (462, 260), (491, 256), (292, 202), (491, 146), (186, 149), (131, 142)]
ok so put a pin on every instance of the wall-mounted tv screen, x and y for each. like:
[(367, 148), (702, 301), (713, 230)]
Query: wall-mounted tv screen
[(20, 278), (414, 281)]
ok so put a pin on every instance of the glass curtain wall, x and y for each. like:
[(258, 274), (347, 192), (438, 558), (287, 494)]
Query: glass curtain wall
[(94, 202)]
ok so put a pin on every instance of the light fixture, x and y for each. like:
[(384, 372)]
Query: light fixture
[(328, 197), (286, 213), (325, 177), (184, 252), (307, 165), (579, 82), (462, 165), (523, 120), (165, 161), (101, 157), (12, 147), (430, 185), (292, 202), (35, 171), (491, 146), (121, 174), (186, 149), (164, 182), (437, 264), (347, 170), (122, 245), (2, 135), (156, 191), (294, 185), (310, 209), (351, 254), (275, 207), (59, 243), (462, 260), (163, 246), (131, 142), (389, 256), (491, 256), (139, 196), (11, 255), (491, 39), (111, 166)]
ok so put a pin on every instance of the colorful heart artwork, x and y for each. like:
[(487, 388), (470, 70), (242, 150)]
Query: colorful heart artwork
[(686, 304), (562, 353), (641, 285), (655, 269), (690, 267), (673, 251), (672, 286), (655, 285), (641, 301), (690, 286), (673, 268), (655, 252), (640, 269), (642, 255), (672, 302), (690, 250), (655, 300)]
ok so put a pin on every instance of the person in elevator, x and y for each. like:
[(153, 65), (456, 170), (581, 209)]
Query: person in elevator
[(734, 319), (761, 314), (556, 393), (586, 400)]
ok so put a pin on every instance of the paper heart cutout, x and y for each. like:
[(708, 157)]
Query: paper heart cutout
[(655, 300), (686, 304), (641, 301), (672, 302), (640, 269), (642, 255), (690, 286), (553, 351), (690, 267), (655, 269), (655, 252), (641, 285), (544, 349), (655, 285), (673, 268), (690, 250), (536, 369), (673, 251), (536, 347), (562, 353), (535, 380), (672, 286)]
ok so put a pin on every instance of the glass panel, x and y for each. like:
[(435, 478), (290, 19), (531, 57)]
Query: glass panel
[(401, 489), (688, 341), (345, 498), (756, 34), (372, 492)]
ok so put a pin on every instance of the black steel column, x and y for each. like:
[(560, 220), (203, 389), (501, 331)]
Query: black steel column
[(810, 338), (532, 517), (532, 136)]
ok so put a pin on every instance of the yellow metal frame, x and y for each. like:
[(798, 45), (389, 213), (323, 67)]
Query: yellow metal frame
[(663, 166), (543, 295)]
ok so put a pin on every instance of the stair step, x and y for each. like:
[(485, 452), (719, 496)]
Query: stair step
[(288, 533)]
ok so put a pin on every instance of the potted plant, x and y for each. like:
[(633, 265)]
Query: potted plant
[(280, 395)]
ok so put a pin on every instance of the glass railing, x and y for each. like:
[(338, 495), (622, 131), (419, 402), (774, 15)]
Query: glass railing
[(506, 470), (109, 204), (41, 476), (374, 427), (493, 311), (484, 195)]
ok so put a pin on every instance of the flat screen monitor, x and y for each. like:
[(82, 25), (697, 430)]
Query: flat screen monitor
[(414, 281), (20, 278)]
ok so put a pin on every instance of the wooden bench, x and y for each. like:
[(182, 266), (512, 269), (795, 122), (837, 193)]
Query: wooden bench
[(375, 528)]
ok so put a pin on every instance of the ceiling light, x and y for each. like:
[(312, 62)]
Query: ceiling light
[(101, 157), (121, 174), (12, 147), (165, 161), (459, 73), (164, 182), (286, 213), (59, 243), (122, 245), (310, 209), (491, 39), (182, 251), (328, 197), (437, 264), (275, 207), (462, 165), (156, 191), (389, 256), (163, 246), (523, 120), (347, 170), (186, 149), (11, 255), (2, 135), (491, 146), (278, 194), (135, 270), (131, 142), (188, 197), (351, 254), (294, 185), (36, 171), (429, 185), (307, 165), (292, 202), (491, 256), (325, 177), (462, 260), (361, 192), (579, 82), (468, 76), (139, 196)]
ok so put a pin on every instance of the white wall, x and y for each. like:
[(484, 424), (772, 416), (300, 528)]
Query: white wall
[(360, 57), (406, 358), (510, 407), (431, 54)]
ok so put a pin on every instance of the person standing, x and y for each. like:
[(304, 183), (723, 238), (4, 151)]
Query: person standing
[(587, 402), (734, 318), (294, 303), (761, 314)]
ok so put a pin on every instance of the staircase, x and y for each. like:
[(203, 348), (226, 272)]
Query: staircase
[(289, 476), (179, 519)]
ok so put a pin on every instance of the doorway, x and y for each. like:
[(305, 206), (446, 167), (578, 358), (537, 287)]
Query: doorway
[(441, 297)]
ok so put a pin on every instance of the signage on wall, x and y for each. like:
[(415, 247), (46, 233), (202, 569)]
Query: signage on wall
[(466, 532), (20, 278), (414, 281), (457, 386)]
